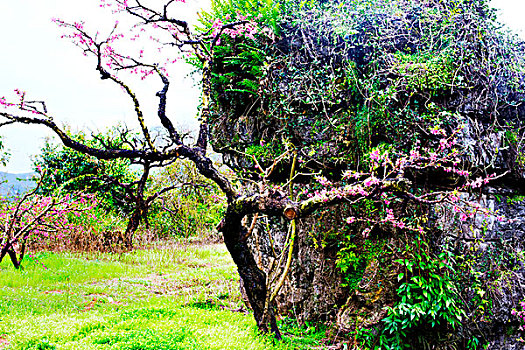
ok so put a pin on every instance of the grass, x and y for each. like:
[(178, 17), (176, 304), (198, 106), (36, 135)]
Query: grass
[(163, 298)]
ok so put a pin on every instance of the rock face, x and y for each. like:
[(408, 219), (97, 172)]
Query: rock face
[(495, 251), (344, 79), (313, 285), (493, 244)]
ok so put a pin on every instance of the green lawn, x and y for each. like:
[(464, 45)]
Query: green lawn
[(163, 298)]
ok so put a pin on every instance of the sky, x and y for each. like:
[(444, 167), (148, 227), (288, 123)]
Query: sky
[(35, 59)]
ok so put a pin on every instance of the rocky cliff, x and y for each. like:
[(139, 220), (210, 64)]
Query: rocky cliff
[(327, 86)]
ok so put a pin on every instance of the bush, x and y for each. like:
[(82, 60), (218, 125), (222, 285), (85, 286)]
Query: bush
[(70, 171), (192, 209)]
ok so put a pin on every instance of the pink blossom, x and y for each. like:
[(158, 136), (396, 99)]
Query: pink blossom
[(390, 216), (350, 220), (374, 155), (477, 183), (437, 131), (371, 181), (400, 224), (323, 180), (414, 154)]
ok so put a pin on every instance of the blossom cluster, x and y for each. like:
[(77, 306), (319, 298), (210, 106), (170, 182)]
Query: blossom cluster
[(239, 25), (124, 5), (520, 314), (108, 50), (246, 28), (21, 104), (385, 167), (40, 217)]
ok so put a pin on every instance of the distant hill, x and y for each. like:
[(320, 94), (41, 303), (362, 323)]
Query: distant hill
[(15, 184)]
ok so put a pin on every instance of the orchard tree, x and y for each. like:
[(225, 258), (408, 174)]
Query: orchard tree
[(117, 187), (271, 70), (194, 206), (70, 171), (35, 217)]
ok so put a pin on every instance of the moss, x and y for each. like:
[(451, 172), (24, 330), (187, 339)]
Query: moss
[(265, 151), (433, 72)]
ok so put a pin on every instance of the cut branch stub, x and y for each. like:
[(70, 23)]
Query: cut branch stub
[(290, 213)]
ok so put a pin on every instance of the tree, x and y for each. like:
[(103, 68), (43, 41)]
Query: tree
[(4, 154), (71, 172), (331, 102), (194, 207), (34, 216), (117, 188)]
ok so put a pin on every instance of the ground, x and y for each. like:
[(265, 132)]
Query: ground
[(162, 298)]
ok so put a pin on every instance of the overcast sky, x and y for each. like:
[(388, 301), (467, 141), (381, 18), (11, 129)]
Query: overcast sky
[(35, 60)]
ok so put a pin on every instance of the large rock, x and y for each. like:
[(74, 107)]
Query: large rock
[(342, 80)]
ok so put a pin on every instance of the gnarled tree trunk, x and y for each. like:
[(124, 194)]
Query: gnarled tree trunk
[(252, 277)]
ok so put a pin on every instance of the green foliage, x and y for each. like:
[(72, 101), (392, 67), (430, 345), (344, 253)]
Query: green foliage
[(4, 153), (482, 271), (265, 12), (98, 220), (432, 72), (354, 257), (244, 58), (342, 77), (306, 335), (265, 151), (429, 301), (146, 339), (514, 140), (192, 209), (41, 344), (241, 58), (515, 199), (69, 171)]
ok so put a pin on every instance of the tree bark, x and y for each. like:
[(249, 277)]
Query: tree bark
[(133, 225), (14, 259), (141, 208), (252, 277)]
